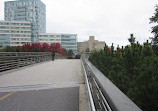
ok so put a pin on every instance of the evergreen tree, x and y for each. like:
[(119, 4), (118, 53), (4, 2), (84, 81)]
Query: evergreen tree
[(154, 19), (131, 40), (70, 54), (133, 69)]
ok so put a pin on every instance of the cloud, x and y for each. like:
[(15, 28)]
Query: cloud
[(107, 20), (111, 21)]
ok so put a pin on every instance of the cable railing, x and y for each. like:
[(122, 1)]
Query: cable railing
[(103, 94)]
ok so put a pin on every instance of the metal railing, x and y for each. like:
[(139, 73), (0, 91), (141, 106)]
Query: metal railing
[(103, 94), (91, 105), (59, 56), (12, 60)]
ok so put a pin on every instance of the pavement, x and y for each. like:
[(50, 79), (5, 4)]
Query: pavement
[(41, 100), (46, 85)]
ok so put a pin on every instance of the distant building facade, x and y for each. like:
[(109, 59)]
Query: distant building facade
[(25, 23), (90, 45), (49, 38), (33, 11), (18, 33), (69, 42), (14, 33)]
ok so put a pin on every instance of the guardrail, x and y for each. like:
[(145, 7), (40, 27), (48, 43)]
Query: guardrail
[(103, 94), (12, 60)]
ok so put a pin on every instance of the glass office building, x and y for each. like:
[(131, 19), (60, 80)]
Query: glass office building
[(49, 38), (14, 33), (33, 11), (69, 42)]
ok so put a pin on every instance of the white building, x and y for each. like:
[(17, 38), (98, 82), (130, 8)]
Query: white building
[(67, 41), (49, 38), (14, 33)]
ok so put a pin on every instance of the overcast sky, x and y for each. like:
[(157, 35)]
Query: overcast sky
[(111, 21)]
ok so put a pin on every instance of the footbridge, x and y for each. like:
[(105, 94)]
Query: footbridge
[(37, 82)]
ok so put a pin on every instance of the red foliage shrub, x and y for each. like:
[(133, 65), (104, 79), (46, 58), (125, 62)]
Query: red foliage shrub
[(63, 52), (26, 48), (55, 47), (37, 47), (45, 47)]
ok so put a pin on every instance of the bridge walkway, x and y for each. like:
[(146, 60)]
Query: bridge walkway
[(56, 85)]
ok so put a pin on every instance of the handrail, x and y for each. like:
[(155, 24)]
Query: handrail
[(92, 106), (13, 60), (59, 56), (106, 95)]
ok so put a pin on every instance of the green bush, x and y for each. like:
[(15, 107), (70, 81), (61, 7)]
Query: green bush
[(12, 49), (70, 54)]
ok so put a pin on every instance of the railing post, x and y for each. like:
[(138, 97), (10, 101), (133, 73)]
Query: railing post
[(18, 65)]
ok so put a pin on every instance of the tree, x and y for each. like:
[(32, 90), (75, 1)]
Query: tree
[(55, 47), (26, 48), (36, 47), (70, 54), (132, 40), (154, 19), (63, 52), (12, 49), (133, 69), (45, 47)]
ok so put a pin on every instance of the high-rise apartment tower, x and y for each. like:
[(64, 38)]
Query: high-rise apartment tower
[(33, 11)]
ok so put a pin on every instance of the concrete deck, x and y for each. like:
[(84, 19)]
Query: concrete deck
[(54, 74)]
